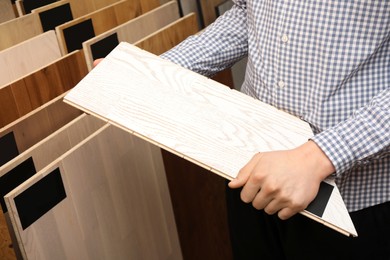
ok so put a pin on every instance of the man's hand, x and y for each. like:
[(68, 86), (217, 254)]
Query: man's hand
[(97, 61), (283, 182)]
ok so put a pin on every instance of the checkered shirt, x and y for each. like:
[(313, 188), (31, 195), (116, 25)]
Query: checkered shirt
[(326, 62)]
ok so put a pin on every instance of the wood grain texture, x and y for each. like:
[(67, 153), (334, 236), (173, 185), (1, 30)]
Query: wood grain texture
[(107, 18), (19, 29), (137, 28), (170, 35), (30, 92), (39, 123), (208, 10), (80, 8), (6, 11), (28, 56), (191, 116), (47, 150), (117, 204), (19, 7)]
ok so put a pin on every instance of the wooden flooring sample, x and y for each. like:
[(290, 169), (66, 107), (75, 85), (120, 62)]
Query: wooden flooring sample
[(28, 56), (196, 118), (72, 34), (19, 29), (32, 91), (32, 160), (169, 36), (131, 31), (108, 200), (28, 130), (6, 11)]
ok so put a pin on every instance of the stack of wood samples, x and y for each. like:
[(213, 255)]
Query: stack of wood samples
[(72, 34), (31, 160), (131, 31), (28, 56), (28, 93), (105, 198), (20, 119)]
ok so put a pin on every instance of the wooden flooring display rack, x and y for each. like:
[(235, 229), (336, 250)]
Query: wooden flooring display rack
[(36, 125)]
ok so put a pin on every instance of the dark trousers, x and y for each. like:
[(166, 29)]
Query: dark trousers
[(257, 235)]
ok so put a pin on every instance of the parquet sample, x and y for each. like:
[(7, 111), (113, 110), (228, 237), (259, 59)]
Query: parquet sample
[(196, 118), (54, 14), (26, 164), (111, 201), (28, 56), (6, 11), (72, 34), (32, 91), (30, 129), (131, 31), (19, 29), (26, 6), (169, 36)]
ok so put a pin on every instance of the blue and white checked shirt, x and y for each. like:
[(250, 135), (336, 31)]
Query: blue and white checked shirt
[(326, 62)]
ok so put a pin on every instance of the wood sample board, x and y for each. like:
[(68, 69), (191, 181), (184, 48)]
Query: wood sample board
[(41, 154), (108, 200), (32, 91), (6, 11), (28, 56), (170, 35), (19, 30), (31, 128), (131, 31), (195, 118), (72, 34)]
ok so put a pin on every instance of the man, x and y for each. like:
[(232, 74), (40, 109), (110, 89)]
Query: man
[(328, 63)]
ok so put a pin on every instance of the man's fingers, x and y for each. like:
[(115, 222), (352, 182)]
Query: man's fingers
[(244, 173)]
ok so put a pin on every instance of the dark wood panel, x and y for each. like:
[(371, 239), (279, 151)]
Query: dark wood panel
[(199, 205), (34, 90)]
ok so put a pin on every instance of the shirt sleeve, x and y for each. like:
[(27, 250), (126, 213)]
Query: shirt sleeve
[(217, 47), (363, 137)]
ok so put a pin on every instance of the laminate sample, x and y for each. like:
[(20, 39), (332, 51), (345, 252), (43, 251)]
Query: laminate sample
[(169, 36), (28, 56), (131, 31), (72, 34), (28, 130), (6, 11), (194, 117), (111, 202), (19, 29), (29, 5), (54, 14), (32, 91), (26, 164)]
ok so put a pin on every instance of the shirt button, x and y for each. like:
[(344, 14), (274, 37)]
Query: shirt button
[(285, 38), (281, 84)]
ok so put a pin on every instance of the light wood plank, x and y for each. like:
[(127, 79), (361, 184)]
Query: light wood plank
[(102, 20), (19, 30), (26, 57), (135, 29), (52, 15), (42, 154), (116, 206), (38, 124), (84, 7), (26, 6), (6, 11), (193, 117), (169, 36), (32, 91)]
